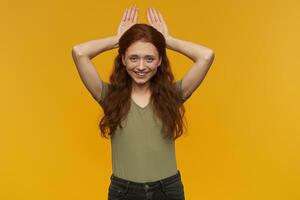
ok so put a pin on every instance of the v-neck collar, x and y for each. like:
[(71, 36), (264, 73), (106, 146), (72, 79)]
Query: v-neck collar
[(143, 108)]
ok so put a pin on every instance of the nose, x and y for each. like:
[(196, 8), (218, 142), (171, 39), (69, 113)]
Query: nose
[(141, 66)]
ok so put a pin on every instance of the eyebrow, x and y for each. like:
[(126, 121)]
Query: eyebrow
[(144, 56)]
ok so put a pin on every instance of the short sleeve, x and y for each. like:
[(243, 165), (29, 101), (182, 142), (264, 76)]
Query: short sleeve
[(104, 91), (178, 85)]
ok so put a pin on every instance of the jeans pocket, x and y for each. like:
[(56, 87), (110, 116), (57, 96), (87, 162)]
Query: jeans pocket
[(174, 190), (117, 191)]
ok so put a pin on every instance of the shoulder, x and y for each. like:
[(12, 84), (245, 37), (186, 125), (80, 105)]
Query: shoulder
[(178, 86), (104, 90)]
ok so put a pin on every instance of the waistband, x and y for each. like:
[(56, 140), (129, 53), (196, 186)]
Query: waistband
[(146, 185)]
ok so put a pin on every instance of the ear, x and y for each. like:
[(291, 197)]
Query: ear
[(123, 60), (160, 60)]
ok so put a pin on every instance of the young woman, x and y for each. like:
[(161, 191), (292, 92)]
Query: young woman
[(143, 106)]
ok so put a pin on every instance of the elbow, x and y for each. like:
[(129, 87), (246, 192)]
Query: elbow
[(210, 55), (76, 51), (207, 55)]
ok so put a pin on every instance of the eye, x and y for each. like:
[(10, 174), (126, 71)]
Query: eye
[(150, 59), (132, 58)]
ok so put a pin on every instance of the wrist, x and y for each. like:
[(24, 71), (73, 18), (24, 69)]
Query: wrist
[(116, 39), (168, 40), (168, 37)]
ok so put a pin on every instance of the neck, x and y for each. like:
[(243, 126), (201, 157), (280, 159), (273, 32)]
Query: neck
[(140, 88)]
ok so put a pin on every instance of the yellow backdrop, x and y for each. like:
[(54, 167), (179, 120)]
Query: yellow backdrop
[(243, 121)]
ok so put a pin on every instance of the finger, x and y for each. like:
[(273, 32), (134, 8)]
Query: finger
[(136, 15), (155, 15), (134, 10), (148, 16), (151, 15), (124, 15), (131, 13), (127, 14), (161, 19), (163, 22)]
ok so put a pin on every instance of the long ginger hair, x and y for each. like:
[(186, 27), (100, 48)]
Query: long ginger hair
[(167, 105)]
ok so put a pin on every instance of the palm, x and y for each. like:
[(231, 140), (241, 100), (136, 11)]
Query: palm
[(129, 18), (156, 20)]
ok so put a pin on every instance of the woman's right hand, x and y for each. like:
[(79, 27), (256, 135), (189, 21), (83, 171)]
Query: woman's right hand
[(130, 17)]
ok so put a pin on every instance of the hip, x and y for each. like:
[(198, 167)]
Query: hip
[(169, 188)]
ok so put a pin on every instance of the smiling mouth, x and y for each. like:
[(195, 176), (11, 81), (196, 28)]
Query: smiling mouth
[(141, 74)]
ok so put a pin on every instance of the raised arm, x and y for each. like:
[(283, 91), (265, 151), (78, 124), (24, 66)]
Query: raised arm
[(200, 55), (83, 53)]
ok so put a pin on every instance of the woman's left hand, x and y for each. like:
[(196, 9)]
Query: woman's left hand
[(156, 20)]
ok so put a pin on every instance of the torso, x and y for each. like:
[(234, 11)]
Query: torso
[(139, 151)]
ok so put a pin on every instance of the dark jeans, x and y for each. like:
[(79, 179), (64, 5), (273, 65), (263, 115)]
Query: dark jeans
[(170, 188)]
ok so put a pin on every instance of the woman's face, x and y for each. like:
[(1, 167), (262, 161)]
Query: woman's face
[(141, 61)]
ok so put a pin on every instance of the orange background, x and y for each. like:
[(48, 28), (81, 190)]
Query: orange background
[(243, 121)]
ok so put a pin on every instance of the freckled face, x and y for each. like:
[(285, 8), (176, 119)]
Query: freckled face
[(141, 61)]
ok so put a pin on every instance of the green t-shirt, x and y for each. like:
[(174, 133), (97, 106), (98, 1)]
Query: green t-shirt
[(139, 151)]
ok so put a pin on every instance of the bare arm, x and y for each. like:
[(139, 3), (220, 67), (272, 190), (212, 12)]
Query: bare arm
[(82, 55), (202, 56)]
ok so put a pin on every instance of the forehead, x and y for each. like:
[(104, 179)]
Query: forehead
[(142, 49)]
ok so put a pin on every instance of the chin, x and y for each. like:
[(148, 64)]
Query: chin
[(140, 81)]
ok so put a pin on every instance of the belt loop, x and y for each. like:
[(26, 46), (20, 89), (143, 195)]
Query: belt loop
[(162, 185)]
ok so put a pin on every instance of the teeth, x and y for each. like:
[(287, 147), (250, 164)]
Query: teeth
[(140, 73)]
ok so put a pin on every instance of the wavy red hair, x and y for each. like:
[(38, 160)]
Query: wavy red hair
[(166, 100)]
